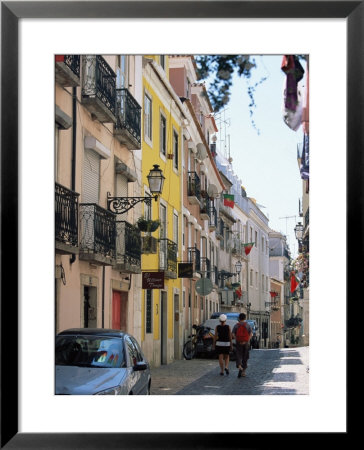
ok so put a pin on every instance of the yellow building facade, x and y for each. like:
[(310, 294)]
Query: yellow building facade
[(162, 137)]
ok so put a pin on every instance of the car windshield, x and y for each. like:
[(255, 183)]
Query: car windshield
[(89, 351), (228, 315)]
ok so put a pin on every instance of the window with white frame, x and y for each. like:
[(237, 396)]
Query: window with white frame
[(163, 135), (147, 117), (175, 149), (122, 72), (175, 228), (162, 60)]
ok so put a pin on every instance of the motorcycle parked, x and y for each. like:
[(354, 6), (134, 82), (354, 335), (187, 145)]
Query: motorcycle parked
[(200, 343)]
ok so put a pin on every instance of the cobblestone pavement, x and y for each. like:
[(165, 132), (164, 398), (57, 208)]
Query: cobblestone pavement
[(282, 371)]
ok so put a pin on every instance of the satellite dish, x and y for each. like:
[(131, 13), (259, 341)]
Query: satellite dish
[(201, 152), (212, 191)]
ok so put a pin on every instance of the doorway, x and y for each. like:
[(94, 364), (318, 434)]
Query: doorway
[(176, 327), (119, 310), (89, 307), (164, 327)]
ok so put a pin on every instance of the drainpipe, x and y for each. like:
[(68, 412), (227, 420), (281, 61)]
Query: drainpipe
[(103, 295), (74, 130)]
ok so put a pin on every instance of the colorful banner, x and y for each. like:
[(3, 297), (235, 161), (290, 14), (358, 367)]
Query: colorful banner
[(229, 200), (294, 282), (248, 247)]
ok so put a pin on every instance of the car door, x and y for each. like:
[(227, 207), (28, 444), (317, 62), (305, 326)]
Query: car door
[(144, 374), (137, 378)]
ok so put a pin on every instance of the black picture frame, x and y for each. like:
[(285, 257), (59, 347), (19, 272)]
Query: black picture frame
[(11, 12)]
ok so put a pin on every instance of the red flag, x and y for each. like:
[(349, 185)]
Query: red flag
[(248, 247), (239, 292), (229, 200), (294, 282)]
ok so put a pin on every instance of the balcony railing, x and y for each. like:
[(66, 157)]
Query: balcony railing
[(220, 229), (168, 257), (99, 88), (205, 208), (206, 267), (128, 113), (97, 243), (236, 246), (67, 70), (128, 247), (193, 188), (66, 220), (194, 257)]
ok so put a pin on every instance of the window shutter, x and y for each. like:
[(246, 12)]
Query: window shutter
[(91, 177)]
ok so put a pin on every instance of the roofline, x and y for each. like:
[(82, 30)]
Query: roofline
[(198, 126)]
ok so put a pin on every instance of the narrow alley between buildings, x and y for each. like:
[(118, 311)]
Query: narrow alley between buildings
[(283, 371)]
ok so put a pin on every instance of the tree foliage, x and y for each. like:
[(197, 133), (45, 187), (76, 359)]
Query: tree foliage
[(221, 69)]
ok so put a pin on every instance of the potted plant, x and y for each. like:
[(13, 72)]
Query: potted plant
[(147, 225)]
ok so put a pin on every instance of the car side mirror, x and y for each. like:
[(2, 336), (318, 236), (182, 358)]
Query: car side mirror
[(140, 366)]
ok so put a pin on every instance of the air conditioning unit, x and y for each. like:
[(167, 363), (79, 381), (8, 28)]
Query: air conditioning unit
[(149, 244)]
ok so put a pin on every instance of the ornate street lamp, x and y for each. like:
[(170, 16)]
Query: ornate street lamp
[(299, 231), (238, 266), (120, 205)]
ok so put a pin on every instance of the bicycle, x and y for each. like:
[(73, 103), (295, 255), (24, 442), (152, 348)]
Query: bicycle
[(200, 342)]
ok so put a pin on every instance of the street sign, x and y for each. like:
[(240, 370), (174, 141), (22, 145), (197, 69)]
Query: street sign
[(203, 286), (153, 280), (185, 270)]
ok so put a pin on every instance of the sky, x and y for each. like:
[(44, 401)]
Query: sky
[(264, 156)]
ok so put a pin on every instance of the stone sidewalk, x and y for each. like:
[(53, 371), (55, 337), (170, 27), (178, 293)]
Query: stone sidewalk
[(270, 372)]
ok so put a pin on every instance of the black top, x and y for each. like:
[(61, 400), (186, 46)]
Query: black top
[(223, 333)]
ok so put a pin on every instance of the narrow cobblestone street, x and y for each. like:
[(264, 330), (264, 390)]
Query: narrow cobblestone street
[(270, 372)]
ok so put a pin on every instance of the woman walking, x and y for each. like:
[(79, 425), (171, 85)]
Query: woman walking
[(223, 344)]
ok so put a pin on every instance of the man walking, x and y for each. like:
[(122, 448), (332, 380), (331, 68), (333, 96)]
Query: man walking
[(242, 332)]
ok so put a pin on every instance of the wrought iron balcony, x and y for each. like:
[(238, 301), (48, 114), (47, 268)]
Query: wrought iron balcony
[(99, 88), (128, 247), (168, 257), (128, 113), (220, 229), (194, 257), (66, 220), (97, 227), (236, 246), (193, 188), (149, 244), (206, 267), (205, 208), (67, 70)]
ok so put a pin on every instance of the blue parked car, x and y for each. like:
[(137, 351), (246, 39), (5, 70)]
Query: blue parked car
[(97, 361)]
